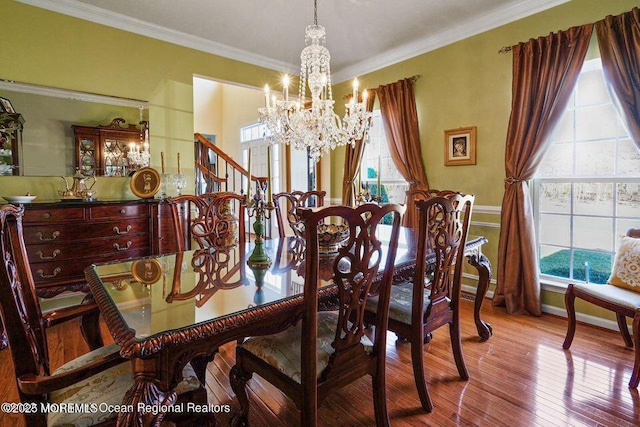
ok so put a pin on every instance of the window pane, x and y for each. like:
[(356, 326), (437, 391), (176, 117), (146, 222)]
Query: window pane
[(629, 200), (558, 161), (591, 88), (628, 158), (593, 198), (595, 123), (555, 229), (595, 158), (555, 197), (564, 129), (591, 266), (593, 233), (555, 261), (622, 226)]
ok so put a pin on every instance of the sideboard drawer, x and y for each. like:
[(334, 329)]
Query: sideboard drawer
[(119, 211), (53, 215), (37, 234), (62, 251)]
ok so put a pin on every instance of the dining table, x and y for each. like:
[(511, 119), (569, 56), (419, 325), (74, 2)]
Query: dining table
[(170, 310)]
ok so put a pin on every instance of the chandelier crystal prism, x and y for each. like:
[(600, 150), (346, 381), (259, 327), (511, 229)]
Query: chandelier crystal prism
[(314, 125)]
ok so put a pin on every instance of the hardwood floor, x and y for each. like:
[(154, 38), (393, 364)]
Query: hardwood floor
[(520, 377)]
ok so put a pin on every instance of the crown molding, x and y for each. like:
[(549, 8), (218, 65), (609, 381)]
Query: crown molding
[(390, 57), (462, 31), (143, 28), (70, 94)]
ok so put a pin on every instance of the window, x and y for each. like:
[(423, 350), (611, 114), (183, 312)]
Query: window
[(376, 161), (587, 189)]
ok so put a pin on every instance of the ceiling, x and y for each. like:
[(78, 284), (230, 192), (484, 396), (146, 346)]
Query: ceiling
[(362, 35)]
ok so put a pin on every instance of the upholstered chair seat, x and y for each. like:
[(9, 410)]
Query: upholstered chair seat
[(107, 387), (401, 302), (284, 352), (613, 294)]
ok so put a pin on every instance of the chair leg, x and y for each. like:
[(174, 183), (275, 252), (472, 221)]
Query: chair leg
[(417, 359), (238, 379), (635, 375), (624, 329), (456, 344), (569, 302), (380, 399), (90, 329)]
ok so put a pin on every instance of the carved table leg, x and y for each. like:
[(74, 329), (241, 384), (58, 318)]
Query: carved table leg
[(145, 391), (483, 266)]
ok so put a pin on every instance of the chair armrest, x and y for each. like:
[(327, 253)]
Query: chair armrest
[(66, 313), (37, 385)]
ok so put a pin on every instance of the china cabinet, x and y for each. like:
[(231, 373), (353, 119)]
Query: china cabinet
[(102, 150), (10, 142)]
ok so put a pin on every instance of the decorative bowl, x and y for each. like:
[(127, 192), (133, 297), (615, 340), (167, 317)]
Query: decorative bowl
[(19, 199), (331, 237)]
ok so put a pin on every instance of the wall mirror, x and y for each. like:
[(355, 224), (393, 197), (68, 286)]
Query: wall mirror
[(47, 144)]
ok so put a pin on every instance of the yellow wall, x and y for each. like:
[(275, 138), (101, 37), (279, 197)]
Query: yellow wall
[(464, 84)]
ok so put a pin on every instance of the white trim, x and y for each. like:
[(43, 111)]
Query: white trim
[(487, 209), (463, 30), (70, 94), (581, 317), (485, 224), (143, 28)]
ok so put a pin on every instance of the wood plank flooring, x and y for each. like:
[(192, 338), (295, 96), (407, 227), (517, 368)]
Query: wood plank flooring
[(520, 377)]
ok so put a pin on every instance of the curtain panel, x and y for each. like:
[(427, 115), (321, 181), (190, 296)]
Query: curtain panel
[(400, 116), (619, 42), (545, 71), (352, 161)]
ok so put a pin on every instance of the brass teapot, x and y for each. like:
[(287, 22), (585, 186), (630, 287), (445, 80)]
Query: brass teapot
[(79, 189)]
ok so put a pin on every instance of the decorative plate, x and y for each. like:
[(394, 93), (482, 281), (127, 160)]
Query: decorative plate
[(146, 271), (19, 199), (145, 183)]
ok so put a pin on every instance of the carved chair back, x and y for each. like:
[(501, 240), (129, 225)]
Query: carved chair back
[(18, 301), (295, 200), (442, 233), (210, 220)]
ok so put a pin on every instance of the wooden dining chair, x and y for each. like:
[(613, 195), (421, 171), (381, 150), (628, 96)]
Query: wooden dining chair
[(209, 220), (292, 202), (621, 294), (99, 377), (432, 299), (86, 309), (329, 349)]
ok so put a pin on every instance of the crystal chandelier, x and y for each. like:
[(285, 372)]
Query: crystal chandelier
[(138, 154), (315, 126)]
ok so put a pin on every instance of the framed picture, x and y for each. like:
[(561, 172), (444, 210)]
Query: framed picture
[(460, 146), (6, 106)]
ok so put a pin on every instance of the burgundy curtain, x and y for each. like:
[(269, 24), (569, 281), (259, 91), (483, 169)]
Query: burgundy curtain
[(352, 161), (619, 41), (400, 116), (545, 71)]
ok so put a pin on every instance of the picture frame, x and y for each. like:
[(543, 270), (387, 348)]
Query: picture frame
[(460, 146), (145, 183), (6, 106)]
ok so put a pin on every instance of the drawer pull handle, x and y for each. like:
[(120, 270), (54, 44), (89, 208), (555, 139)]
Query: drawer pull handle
[(123, 211), (117, 246), (54, 235), (46, 215), (55, 253), (117, 230), (49, 276)]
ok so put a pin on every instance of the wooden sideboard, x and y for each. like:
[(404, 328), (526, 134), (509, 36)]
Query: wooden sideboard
[(64, 238)]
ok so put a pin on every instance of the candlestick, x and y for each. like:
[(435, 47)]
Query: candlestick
[(379, 175), (285, 83), (269, 193), (249, 175), (355, 90), (178, 162), (266, 96), (162, 161)]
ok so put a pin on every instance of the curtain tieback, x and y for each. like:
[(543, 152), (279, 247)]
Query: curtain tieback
[(513, 180), (414, 183), (348, 182)]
